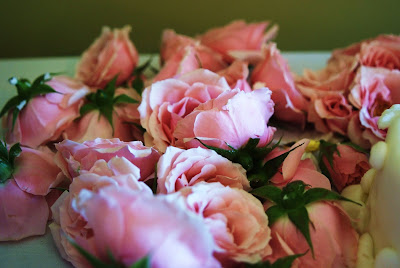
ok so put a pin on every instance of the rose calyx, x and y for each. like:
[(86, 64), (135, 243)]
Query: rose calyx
[(7, 160)]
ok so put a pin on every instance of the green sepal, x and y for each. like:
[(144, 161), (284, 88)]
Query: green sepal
[(318, 194), (355, 147), (284, 262), (274, 213), (7, 160), (88, 107), (326, 150), (155, 185), (14, 152), (138, 83), (142, 263), (269, 192), (93, 260), (299, 217), (123, 98), (5, 171)]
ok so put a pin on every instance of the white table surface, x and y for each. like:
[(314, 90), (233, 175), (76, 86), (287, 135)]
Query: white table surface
[(41, 251)]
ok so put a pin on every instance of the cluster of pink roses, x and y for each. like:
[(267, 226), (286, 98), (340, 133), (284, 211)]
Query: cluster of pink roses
[(186, 198)]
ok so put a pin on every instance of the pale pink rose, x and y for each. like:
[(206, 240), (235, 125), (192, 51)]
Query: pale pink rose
[(68, 221), (360, 135), (110, 55), (172, 43), (273, 71), (348, 167), (236, 75), (383, 51), (236, 219), (73, 157), (295, 169), (179, 168), (330, 113), (233, 117), (376, 89), (36, 172), (334, 240), (166, 102), (45, 117), (239, 40), (335, 77), (21, 214)]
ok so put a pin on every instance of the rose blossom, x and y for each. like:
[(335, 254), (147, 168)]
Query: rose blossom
[(179, 168), (330, 113), (73, 157), (273, 71), (375, 90), (45, 117), (233, 117), (334, 240), (295, 168), (68, 221), (236, 75), (166, 102), (236, 219), (239, 40), (383, 51), (111, 54), (348, 166)]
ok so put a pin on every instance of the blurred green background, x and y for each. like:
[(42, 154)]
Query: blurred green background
[(66, 27)]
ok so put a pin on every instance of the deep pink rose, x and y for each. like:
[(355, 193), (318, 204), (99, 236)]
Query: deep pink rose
[(68, 221), (348, 167), (237, 221), (21, 214), (45, 117), (376, 89), (273, 71), (383, 51), (336, 77), (233, 117), (166, 102), (239, 40), (73, 157), (172, 43), (334, 240), (236, 75), (179, 168), (295, 169), (111, 54), (330, 113)]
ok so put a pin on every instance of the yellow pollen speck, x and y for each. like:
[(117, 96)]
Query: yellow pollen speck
[(313, 146)]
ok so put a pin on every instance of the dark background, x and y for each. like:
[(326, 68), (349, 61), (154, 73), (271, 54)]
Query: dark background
[(39, 28)]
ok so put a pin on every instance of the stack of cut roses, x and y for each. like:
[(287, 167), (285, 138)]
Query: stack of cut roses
[(211, 187)]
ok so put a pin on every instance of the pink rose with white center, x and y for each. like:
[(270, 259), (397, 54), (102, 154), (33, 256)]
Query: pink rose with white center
[(233, 117), (110, 55), (334, 240), (236, 219), (45, 117), (348, 167), (330, 113), (239, 40), (73, 157), (166, 102), (179, 168), (273, 72)]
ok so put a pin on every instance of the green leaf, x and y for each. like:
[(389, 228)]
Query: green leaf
[(15, 151), (269, 192), (142, 263), (124, 99), (274, 213), (299, 217), (317, 194)]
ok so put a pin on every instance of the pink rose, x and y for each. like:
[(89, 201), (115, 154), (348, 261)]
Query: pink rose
[(375, 90), (334, 240), (236, 75), (68, 221), (239, 40), (45, 117), (73, 157), (179, 168), (330, 113), (274, 73), (348, 167), (295, 169), (234, 116), (21, 214), (236, 219), (173, 43), (111, 54), (336, 77), (383, 51), (166, 102)]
